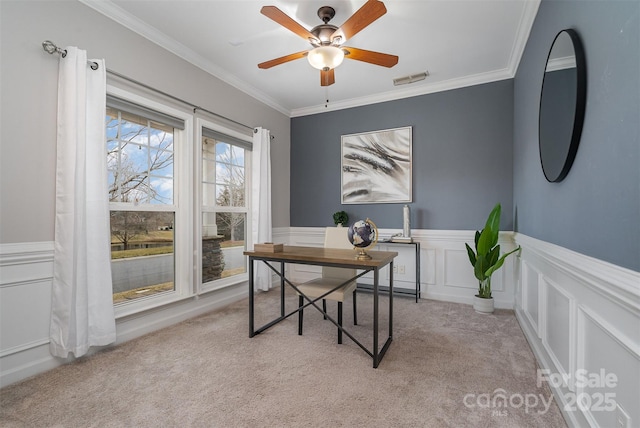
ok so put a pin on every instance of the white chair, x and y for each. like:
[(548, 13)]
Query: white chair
[(335, 237)]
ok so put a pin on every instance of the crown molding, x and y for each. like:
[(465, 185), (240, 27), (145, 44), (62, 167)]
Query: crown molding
[(426, 88), (525, 25), (117, 14), (114, 12)]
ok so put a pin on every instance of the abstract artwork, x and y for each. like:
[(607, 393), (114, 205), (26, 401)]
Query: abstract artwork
[(376, 167)]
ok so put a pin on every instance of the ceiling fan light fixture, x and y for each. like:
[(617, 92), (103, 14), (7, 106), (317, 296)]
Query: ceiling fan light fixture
[(325, 57)]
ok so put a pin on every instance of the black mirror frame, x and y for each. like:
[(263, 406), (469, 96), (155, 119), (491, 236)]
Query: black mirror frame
[(581, 98)]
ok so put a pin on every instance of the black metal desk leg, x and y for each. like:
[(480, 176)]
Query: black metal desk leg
[(391, 299), (376, 278), (417, 271), (251, 331), (281, 289)]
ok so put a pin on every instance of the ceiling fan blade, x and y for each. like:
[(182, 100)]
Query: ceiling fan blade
[(371, 57), (282, 59), (369, 12), (287, 22), (327, 78)]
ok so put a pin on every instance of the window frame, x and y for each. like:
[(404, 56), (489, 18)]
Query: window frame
[(199, 208), (183, 188)]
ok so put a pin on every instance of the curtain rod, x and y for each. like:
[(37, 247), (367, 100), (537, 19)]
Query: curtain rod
[(52, 48)]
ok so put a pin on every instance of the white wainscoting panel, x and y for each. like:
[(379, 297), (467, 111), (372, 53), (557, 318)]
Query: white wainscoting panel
[(530, 295), (26, 271), (586, 326), (445, 271), (558, 328)]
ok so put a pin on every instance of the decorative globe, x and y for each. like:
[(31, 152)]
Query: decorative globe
[(363, 234)]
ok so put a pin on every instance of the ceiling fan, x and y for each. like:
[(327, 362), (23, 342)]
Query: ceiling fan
[(327, 39)]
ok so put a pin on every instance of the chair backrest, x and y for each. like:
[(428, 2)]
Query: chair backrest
[(336, 237)]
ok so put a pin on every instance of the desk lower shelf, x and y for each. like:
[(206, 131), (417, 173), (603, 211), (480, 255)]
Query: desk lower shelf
[(397, 291)]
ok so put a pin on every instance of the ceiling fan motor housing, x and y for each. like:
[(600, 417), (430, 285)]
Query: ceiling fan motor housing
[(322, 33)]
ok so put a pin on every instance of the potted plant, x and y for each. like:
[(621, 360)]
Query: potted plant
[(486, 259), (340, 218)]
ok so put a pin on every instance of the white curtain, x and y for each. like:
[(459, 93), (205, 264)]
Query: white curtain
[(82, 312), (261, 201)]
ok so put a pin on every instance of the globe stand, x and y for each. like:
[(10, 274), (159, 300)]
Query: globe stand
[(362, 255)]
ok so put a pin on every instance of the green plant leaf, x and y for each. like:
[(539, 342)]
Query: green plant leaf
[(484, 242), (472, 255), (481, 267), (489, 235), (493, 223), (493, 255), (477, 238), (499, 263)]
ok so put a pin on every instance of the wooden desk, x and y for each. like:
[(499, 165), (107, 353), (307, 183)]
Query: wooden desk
[(326, 257)]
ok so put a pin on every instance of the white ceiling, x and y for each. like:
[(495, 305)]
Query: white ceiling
[(459, 42)]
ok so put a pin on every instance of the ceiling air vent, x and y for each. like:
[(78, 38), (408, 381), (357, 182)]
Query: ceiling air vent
[(412, 78)]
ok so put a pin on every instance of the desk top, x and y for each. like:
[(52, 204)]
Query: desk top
[(325, 256)]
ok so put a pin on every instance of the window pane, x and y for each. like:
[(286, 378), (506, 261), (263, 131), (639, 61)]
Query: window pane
[(161, 190), (208, 148), (223, 196), (222, 245), (208, 171), (161, 139), (162, 161), (139, 158), (142, 254), (208, 194), (237, 176), (238, 197), (133, 132), (223, 152), (238, 156), (223, 173), (112, 124), (223, 233)]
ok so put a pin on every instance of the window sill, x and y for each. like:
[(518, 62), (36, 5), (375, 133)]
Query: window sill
[(224, 283)]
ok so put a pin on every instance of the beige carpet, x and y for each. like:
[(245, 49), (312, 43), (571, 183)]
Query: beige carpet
[(447, 367)]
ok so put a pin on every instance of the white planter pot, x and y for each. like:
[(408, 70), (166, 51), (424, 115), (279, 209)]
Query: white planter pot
[(482, 305)]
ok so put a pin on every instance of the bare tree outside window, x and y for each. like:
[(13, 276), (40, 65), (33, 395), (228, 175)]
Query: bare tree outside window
[(126, 226), (224, 209), (139, 159)]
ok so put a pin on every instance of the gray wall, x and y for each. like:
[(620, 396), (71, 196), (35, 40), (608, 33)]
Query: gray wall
[(28, 104), (462, 159), (596, 209)]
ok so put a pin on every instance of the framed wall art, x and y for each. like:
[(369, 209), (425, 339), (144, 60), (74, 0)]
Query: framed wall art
[(376, 167)]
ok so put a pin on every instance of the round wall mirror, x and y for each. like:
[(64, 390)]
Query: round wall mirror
[(562, 104)]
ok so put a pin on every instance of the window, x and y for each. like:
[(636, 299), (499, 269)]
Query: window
[(161, 251), (142, 148), (224, 199)]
